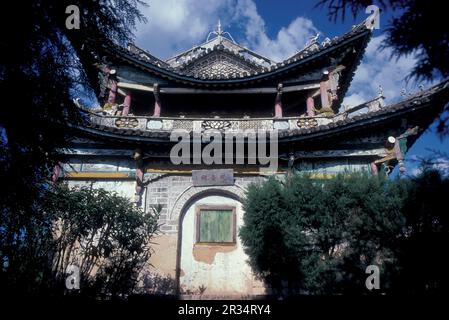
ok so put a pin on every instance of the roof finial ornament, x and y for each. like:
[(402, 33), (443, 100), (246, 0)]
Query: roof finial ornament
[(313, 39), (380, 91), (403, 92), (219, 33)]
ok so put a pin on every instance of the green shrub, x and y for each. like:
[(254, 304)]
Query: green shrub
[(318, 236)]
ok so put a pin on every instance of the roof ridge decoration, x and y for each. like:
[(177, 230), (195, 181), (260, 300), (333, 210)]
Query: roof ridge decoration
[(255, 66), (144, 54), (312, 45), (220, 63), (219, 33), (222, 40)]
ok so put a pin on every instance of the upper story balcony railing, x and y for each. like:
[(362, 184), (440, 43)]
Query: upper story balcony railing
[(148, 123)]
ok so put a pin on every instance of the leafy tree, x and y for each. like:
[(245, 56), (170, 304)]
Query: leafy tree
[(105, 235), (422, 248), (42, 64), (318, 237), (306, 236), (420, 27), (263, 236)]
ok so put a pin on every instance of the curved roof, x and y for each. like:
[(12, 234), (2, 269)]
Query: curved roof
[(222, 61), (435, 97)]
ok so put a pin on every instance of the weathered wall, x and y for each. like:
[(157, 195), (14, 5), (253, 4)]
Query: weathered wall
[(220, 269), (223, 270), (174, 193), (163, 260)]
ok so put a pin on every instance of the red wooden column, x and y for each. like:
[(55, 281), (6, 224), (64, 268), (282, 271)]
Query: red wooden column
[(374, 169), (323, 90), (157, 101), (113, 90), (310, 107), (139, 174), (126, 104), (278, 102), (139, 180), (333, 84), (56, 173), (399, 156)]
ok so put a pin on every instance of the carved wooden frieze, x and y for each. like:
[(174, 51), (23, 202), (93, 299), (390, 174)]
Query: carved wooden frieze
[(127, 123), (307, 123), (216, 125), (220, 65)]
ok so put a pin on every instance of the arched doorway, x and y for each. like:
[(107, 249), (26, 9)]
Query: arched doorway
[(211, 259)]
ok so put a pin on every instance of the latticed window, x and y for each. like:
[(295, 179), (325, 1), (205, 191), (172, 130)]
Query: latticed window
[(215, 224)]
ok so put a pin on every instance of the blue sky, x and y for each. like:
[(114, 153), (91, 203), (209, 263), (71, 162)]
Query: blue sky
[(278, 29)]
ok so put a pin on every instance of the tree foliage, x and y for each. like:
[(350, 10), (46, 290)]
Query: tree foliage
[(318, 237), (419, 28), (42, 64), (103, 234), (422, 246)]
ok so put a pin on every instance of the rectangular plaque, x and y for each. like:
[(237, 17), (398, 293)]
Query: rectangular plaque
[(214, 177)]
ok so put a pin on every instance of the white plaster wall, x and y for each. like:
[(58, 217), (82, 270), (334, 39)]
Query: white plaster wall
[(229, 273), (123, 188)]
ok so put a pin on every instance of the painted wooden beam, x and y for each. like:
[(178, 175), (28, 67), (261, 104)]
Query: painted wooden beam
[(134, 86), (320, 176), (231, 91), (96, 152), (301, 87), (384, 159), (121, 92), (98, 175), (316, 93), (189, 171)]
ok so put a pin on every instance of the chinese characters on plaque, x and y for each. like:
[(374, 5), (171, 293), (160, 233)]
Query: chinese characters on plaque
[(216, 177)]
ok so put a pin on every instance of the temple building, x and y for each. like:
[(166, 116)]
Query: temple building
[(223, 87)]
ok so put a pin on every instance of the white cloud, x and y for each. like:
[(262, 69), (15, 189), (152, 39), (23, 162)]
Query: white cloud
[(288, 40), (354, 99), (177, 25), (378, 67), (440, 164)]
